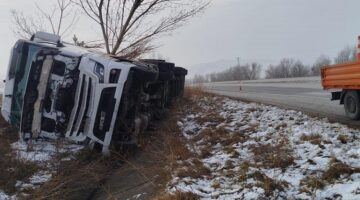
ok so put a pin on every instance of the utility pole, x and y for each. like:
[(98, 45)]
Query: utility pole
[(238, 61)]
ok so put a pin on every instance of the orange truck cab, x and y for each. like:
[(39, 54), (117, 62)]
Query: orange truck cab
[(345, 78)]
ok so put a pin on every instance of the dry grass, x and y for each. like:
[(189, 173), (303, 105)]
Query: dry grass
[(74, 179), (334, 172), (229, 149), (235, 154), (212, 136), (343, 138), (281, 126), (205, 152), (271, 185), (268, 184), (216, 185), (194, 169), (233, 138), (174, 155), (279, 155), (310, 183), (12, 169), (77, 178), (215, 136), (273, 156), (337, 169), (176, 149), (314, 139), (229, 164), (192, 91), (268, 156), (87, 172), (243, 171), (212, 117), (250, 110)]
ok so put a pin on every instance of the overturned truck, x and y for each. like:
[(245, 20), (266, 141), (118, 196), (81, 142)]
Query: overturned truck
[(57, 88)]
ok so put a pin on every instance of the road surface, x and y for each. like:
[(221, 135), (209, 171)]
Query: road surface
[(303, 94)]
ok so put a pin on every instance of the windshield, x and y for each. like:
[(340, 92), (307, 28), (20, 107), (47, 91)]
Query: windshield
[(22, 68)]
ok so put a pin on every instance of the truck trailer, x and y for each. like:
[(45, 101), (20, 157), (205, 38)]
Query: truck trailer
[(344, 79), (105, 101)]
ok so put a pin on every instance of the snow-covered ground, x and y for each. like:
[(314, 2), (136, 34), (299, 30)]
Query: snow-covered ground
[(254, 151), (42, 152), (4, 196)]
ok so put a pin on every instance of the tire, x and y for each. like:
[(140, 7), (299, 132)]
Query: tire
[(166, 67), (145, 73), (352, 105), (166, 76), (179, 71), (162, 64)]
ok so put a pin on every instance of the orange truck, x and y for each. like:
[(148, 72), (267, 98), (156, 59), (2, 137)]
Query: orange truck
[(345, 79)]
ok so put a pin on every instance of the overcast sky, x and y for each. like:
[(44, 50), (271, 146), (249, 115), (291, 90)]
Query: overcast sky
[(254, 30)]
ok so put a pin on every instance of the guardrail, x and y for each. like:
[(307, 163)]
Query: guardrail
[(300, 82), (313, 79)]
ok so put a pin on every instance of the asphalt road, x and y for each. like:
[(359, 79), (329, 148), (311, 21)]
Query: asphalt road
[(303, 94)]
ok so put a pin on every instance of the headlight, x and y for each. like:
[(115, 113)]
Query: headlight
[(99, 71)]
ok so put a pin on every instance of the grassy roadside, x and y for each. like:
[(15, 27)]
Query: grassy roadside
[(168, 158), (17, 172), (173, 155), (12, 168), (75, 178), (178, 157), (80, 175), (86, 174)]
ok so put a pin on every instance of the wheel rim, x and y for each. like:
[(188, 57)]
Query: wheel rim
[(351, 104)]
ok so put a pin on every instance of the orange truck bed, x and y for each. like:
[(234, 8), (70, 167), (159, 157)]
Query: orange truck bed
[(341, 76)]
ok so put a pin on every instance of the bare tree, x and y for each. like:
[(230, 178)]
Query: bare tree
[(299, 69), (213, 77), (245, 72), (199, 79), (287, 68), (50, 21), (129, 27), (282, 70), (321, 61), (26, 26), (254, 71), (347, 54), (271, 72), (234, 73)]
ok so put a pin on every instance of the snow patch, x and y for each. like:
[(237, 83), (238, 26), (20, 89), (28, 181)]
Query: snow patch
[(268, 125)]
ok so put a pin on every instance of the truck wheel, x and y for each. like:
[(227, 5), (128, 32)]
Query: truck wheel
[(352, 105)]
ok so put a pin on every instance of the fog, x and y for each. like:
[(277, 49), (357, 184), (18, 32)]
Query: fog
[(253, 30)]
